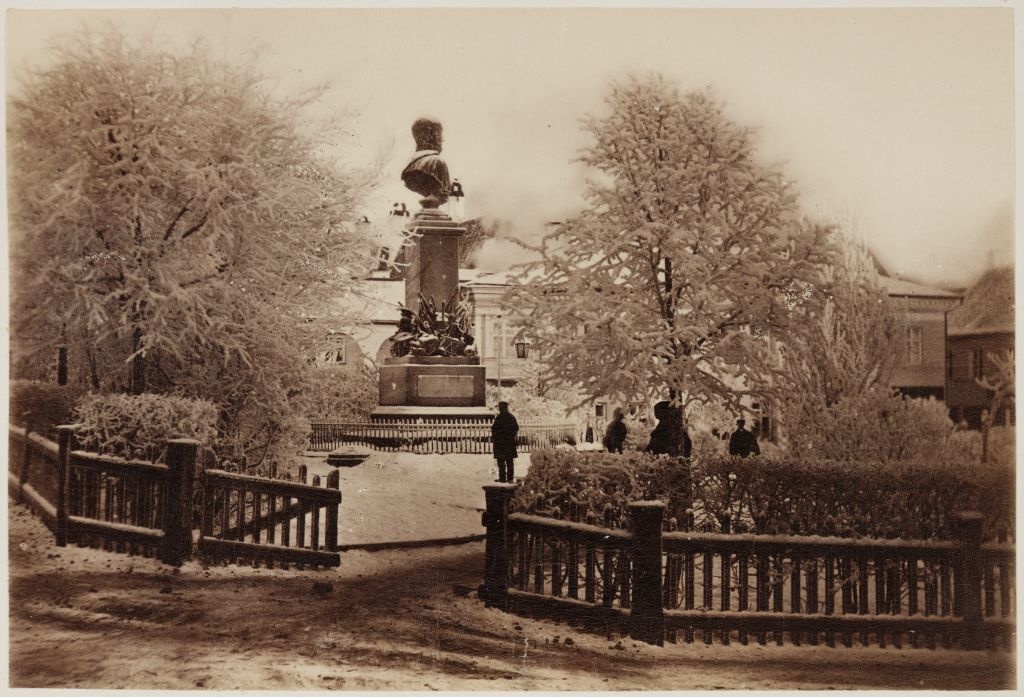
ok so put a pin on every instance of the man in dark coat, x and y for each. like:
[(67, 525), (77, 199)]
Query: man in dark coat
[(666, 438), (743, 442), (615, 434), (503, 439)]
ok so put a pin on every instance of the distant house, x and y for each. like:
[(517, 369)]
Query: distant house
[(921, 367), (494, 334), (982, 326)]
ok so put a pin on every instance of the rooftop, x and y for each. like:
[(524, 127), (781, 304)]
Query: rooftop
[(988, 306), (901, 288)]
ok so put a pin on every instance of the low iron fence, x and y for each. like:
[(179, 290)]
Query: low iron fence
[(662, 585), (149, 509), (433, 435)]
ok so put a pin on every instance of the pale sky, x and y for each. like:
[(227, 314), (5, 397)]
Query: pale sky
[(899, 118)]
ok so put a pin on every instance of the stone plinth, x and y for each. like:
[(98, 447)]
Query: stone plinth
[(431, 385), (433, 260)]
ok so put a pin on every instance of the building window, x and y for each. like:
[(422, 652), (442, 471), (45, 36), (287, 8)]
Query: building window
[(599, 410), (974, 365), (764, 425), (913, 348), (500, 339), (334, 352)]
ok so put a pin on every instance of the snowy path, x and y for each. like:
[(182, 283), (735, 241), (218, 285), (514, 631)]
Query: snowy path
[(391, 620), (402, 496)]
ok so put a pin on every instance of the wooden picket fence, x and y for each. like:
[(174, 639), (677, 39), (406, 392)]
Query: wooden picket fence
[(148, 508), (32, 473), (258, 520), (658, 585), (431, 435)]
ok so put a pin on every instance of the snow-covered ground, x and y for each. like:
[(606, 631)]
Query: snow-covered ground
[(403, 496), (396, 620)]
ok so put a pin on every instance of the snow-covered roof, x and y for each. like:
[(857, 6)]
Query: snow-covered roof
[(477, 277), (377, 300), (988, 307), (909, 289)]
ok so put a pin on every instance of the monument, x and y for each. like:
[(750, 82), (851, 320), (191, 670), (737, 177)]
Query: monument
[(434, 370)]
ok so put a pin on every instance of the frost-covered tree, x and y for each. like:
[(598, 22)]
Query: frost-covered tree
[(687, 257), (1002, 385), (846, 345), (169, 213), (477, 232)]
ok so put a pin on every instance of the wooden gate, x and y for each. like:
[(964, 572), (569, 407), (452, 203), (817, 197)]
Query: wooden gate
[(148, 508), (259, 520)]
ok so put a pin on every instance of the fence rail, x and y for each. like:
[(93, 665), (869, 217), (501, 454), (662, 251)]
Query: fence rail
[(433, 435), (761, 588), (148, 508), (32, 472), (265, 521)]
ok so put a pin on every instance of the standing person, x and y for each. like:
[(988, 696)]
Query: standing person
[(666, 438), (615, 434), (743, 442), (503, 439), (588, 434)]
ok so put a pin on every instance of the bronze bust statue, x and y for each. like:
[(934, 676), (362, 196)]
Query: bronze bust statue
[(427, 173)]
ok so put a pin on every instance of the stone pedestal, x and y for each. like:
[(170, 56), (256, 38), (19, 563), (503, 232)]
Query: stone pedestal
[(432, 382), (432, 387), (433, 260)]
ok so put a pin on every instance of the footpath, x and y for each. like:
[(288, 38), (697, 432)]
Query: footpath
[(397, 619)]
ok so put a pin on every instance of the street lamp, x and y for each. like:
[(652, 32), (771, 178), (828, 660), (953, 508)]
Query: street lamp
[(455, 196)]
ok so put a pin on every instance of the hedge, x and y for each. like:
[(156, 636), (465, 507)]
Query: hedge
[(40, 406), (913, 500), (139, 426)]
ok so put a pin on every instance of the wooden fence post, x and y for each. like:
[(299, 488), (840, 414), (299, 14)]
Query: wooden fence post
[(331, 534), (969, 531), (181, 463), (26, 461), (647, 617), (65, 436), (62, 364), (496, 560)]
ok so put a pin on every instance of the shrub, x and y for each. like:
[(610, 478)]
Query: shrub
[(965, 446), (342, 394), (563, 483), (914, 500), (877, 425), (139, 426), (850, 499), (40, 406)]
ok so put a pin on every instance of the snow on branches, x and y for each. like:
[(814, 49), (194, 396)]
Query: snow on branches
[(682, 265), (169, 194), (169, 213)]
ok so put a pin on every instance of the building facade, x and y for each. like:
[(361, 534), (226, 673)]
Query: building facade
[(983, 327), (920, 369)]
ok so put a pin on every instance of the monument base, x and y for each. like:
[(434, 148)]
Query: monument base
[(419, 385), (408, 415)]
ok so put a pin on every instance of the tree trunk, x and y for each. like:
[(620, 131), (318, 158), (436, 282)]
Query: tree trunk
[(678, 420), (94, 372), (138, 375)]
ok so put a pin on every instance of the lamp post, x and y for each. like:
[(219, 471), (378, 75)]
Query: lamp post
[(499, 345)]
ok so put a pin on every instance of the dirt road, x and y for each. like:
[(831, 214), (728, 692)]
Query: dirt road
[(388, 620)]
